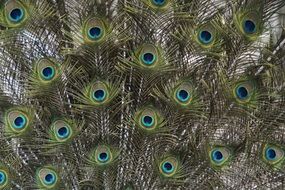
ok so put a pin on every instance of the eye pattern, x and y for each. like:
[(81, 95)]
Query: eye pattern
[(95, 32), (17, 121), (16, 15), (148, 55), (99, 95), (47, 178), (148, 118), (3, 178), (205, 37), (158, 2), (168, 166), (62, 130), (20, 122), (219, 156), (148, 58), (244, 91), (47, 70), (249, 26), (48, 73), (273, 154), (147, 121), (182, 95), (103, 157)]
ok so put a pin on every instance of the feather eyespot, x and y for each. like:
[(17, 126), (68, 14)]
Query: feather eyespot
[(47, 178), (17, 121), (94, 30), (205, 37), (99, 95), (47, 70), (249, 26), (148, 55), (148, 58), (103, 157), (244, 91), (62, 131), (3, 178), (159, 2), (219, 156), (16, 15), (183, 93), (168, 166), (48, 73), (148, 119), (99, 92), (273, 155)]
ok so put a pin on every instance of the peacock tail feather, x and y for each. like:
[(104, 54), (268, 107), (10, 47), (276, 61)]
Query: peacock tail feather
[(142, 94)]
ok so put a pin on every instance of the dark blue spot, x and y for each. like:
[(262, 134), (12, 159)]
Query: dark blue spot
[(19, 122), (49, 178), (95, 32), (147, 121), (249, 27), (167, 167), (217, 155), (148, 58), (182, 95), (270, 154), (16, 15), (159, 2), (242, 92), (99, 95), (48, 73), (205, 37), (103, 156), (63, 132), (2, 177)]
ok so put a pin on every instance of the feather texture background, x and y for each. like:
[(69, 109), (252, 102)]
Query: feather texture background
[(142, 94)]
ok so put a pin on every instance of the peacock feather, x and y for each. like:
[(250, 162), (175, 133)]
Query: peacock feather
[(142, 94)]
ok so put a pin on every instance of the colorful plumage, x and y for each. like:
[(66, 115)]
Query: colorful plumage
[(142, 94)]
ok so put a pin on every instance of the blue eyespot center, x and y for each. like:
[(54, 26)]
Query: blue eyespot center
[(95, 32), (249, 27), (148, 58), (63, 132), (16, 15), (270, 154), (103, 157), (20, 122), (159, 2), (182, 95), (49, 179), (217, 156), (167, 167), (147, 121), (99, 95), (205, 37), (48, 73), (242, 92), (2, 177)]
